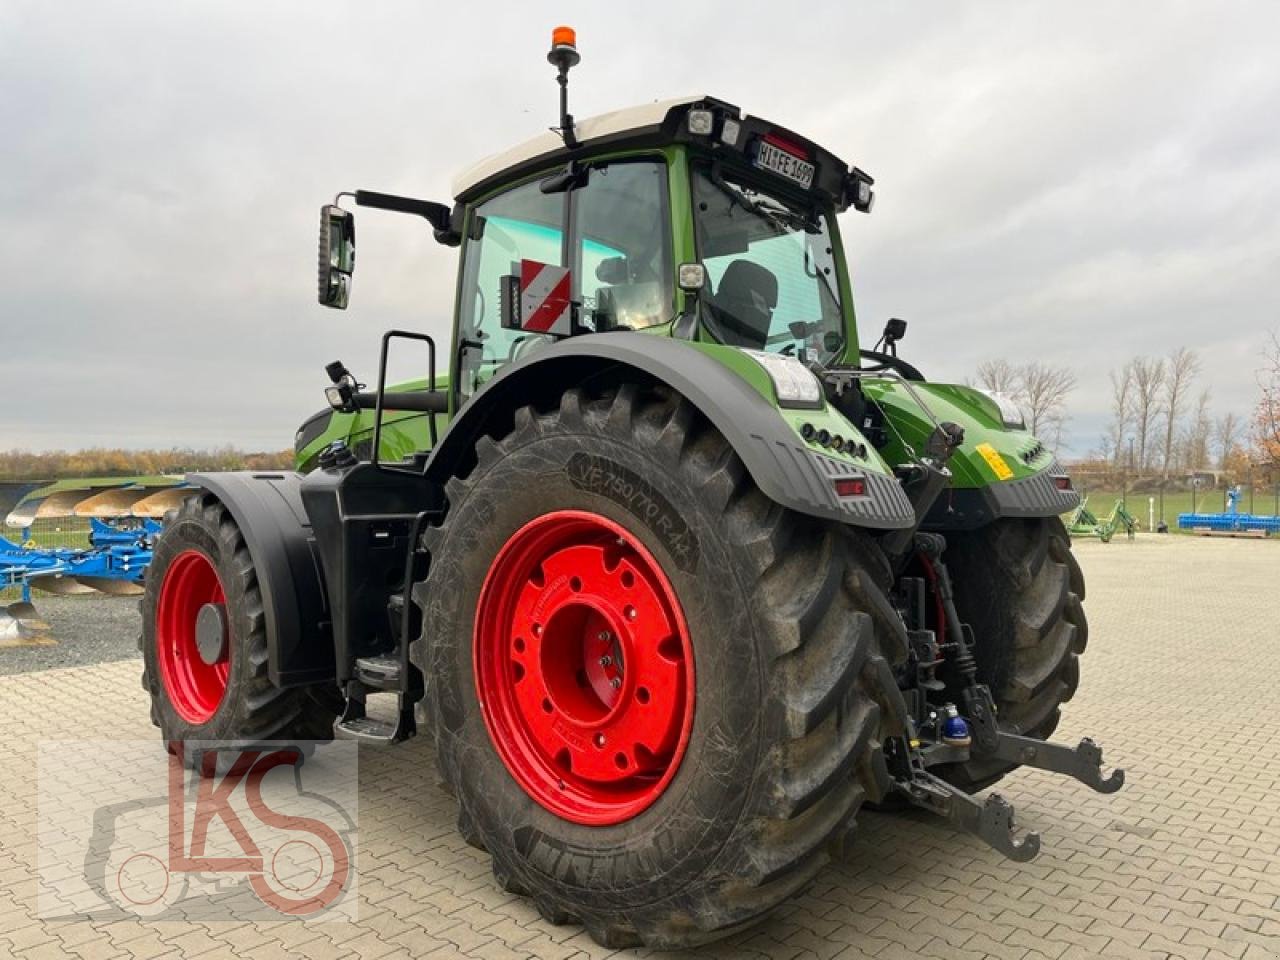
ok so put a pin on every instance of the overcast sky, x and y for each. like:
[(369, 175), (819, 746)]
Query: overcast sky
[(1075, 182)]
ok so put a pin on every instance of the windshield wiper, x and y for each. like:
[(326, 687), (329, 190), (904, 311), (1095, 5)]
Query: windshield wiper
[(764, 206)]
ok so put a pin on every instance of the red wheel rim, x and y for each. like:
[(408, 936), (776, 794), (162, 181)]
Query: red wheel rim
[(195, 688), (583, 667)]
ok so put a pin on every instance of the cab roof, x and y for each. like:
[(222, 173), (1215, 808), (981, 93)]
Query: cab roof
[(626, 124), (660, 124)]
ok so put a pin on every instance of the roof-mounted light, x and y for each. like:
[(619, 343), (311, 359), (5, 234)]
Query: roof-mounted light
[(730, 131), (857, 190), (563, 55), (564, 46), (701, 122)]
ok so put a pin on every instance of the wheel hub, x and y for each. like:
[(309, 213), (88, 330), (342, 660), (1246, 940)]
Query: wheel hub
[(584, 667), (211, 633)]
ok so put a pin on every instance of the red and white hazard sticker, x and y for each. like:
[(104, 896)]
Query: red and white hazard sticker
[(544, 298)]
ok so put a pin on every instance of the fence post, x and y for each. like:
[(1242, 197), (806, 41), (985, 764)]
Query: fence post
[(26, 584)]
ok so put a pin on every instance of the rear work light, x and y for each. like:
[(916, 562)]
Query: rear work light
[(850, 486), (701, 122), (1062, 483)]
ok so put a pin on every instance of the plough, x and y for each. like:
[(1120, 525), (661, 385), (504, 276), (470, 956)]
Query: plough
[(124, 520)]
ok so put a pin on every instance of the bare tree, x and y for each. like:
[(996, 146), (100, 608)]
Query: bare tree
[(1195, 439), (1148, 381), (1181, 371), (1121, 409), (1042, 391), (1266, 417), (1226, 433), (998, 376)]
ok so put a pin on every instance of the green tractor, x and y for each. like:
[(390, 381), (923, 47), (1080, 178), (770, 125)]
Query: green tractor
[(674, 572)]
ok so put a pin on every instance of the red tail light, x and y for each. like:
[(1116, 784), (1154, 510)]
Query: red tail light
[(850, 487)]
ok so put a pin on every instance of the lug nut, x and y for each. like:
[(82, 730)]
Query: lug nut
[(604, 636), (606, 660), (616, 682)]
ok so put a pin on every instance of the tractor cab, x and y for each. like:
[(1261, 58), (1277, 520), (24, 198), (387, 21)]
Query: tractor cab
[(603, 242), (682, 218)]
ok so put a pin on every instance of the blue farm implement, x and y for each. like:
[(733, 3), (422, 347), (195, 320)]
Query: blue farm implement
[(114, 562), (85, 536), (1232, 523)]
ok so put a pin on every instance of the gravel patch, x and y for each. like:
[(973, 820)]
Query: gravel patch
[(88, 629)]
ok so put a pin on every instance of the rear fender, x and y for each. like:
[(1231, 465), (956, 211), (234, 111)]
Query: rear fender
[(787, 469)]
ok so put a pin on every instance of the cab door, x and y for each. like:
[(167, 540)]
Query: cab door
[(611, 230)]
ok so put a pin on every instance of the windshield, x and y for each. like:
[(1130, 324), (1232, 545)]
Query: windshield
[(771, 277)]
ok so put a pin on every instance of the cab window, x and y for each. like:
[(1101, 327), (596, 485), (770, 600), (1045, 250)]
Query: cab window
[(619, 257), (521, 224), (771, 270), (622, 246)]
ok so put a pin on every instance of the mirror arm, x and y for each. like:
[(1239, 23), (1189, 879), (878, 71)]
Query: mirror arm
[(437, 214)]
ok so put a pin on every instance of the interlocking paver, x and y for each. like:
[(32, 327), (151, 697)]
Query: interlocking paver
[(1181, 863)]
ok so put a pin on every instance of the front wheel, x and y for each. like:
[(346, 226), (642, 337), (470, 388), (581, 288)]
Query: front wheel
[(654, 690), (204, 640)]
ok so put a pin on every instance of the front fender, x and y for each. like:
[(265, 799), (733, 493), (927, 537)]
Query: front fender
[(729, 389), (268, 509)]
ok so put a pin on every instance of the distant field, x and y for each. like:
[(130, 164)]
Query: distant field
[(1176, 502)]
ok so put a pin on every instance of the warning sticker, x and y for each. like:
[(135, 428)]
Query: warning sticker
[(994, 461), (544, 298)]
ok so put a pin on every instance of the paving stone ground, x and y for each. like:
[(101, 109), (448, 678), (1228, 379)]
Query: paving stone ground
[(1179, 686)]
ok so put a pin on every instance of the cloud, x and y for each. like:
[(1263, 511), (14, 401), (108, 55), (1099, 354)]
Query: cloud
[(1071, 183)]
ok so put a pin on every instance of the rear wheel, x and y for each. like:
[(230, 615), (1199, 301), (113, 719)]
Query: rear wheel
[(204, 640), (1021, 590), (655, 691)]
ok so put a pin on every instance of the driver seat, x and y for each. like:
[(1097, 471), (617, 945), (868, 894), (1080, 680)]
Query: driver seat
[(744, 302)]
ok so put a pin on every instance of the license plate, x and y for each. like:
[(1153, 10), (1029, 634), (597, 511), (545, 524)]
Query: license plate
[(779, 161)]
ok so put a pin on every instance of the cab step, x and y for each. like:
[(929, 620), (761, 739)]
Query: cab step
[(379, 673), (376, 732)]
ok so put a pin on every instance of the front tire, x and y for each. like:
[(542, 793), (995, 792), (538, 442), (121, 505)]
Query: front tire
[(1021, 590), (776, 626), (201, 568)]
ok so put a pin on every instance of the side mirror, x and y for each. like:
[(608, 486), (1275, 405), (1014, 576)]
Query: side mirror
[(337, 255)]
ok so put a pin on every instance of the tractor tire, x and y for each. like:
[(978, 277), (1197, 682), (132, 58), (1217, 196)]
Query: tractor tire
[(200, 561), (1021, 590), (626, 520)]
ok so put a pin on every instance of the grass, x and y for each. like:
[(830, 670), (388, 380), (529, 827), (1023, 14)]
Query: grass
[(62, 532), (1176, 502)]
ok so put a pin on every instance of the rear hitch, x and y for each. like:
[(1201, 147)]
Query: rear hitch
[(990, 820), (1083, 762)]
